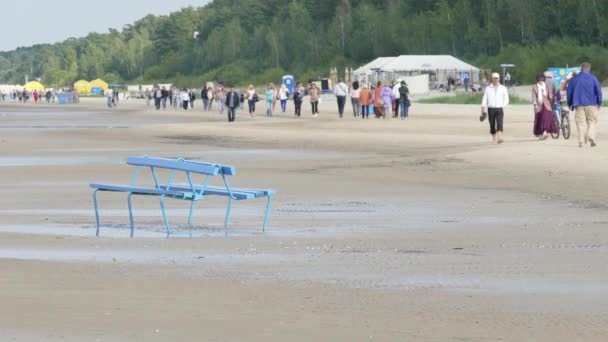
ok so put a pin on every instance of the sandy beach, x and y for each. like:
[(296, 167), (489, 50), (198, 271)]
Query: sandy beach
[(381, 230)]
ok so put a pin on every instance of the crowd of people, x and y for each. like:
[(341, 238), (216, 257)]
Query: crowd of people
[(583, 96), (38, 96), (383, 100), (580, 93)]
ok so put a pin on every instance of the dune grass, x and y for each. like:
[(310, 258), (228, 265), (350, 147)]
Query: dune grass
[(469, 99)]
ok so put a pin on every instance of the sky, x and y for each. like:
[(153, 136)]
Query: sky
[(45, 21)]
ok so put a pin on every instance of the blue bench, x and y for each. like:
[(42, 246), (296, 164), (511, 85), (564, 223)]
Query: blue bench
[(189, 192)]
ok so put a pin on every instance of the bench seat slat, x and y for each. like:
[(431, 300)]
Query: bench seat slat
[(140, 190), (239, 193), (256, 192), (261, 192)]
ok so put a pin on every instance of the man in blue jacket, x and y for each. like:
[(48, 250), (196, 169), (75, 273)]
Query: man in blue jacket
[(585, 97)]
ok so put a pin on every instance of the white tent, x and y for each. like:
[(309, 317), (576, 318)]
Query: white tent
[(417, 84), (439, 67)]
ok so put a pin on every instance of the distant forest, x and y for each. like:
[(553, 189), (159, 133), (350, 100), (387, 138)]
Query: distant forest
[(256, 41)]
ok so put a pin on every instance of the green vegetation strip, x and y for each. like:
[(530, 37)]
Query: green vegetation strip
[(469, 99)]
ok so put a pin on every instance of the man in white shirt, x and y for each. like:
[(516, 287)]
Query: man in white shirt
[(396, 95), (495, 99), (341, 90)]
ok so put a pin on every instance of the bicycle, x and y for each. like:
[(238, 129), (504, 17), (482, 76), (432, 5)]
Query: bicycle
[(562, 121), (565, 124)]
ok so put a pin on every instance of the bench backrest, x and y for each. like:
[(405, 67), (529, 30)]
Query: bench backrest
[(189, 167), (175, 164), (224, 169)]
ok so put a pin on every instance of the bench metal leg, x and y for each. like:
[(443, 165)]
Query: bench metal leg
[(267, 213), (191, 212), (164, 210), (131, 214), (96, 211), (228, 212)]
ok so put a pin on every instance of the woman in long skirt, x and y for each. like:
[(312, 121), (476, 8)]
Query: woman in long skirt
[(542, 97)]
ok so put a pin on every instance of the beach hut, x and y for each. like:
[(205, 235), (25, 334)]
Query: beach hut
[(82, 87), (98, 86), (33, 85)]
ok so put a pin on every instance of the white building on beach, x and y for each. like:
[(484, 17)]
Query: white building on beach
[(438, 68)]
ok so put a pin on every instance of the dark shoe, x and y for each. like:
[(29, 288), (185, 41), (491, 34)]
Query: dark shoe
[(593, 144)]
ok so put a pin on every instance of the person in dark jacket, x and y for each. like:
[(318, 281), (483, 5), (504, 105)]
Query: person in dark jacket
[(205, 99), (298, 97), (192, 98), (232, 102), (585, 98), (404, 100), (158, 95), (165, 95)]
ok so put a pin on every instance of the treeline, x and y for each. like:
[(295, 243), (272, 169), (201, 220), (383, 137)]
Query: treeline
[(243, 41)]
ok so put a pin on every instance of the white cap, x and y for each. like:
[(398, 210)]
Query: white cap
[(548, 74), (495, 75)]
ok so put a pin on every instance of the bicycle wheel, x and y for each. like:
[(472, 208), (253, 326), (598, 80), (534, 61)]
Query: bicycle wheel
[(556, 134), (566, 126)]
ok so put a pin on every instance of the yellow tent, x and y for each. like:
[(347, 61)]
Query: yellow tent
[(33, 85), (82, 87), (99, 84)]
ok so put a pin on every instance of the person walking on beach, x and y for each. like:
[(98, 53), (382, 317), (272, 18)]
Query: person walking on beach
[(192, 98), (210, 98), (404, 100), (314, 94), (164, 97), (148, 97), (396, 86), (341, 91), (204, 99), (220, 96), (270, 97), (276, 95), (388, 99), (158, 95), (110, 96), (355, 98), (48, 96), (542, 98), (176, 96), (495, 99), (365, 99), (585, 98), (252, 98), (378, 101), (184, 97), (298, 97), (241, 98), (232, 101), (283, 97)]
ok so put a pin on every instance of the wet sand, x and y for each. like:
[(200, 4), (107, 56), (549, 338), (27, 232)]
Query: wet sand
[(381, 230)]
